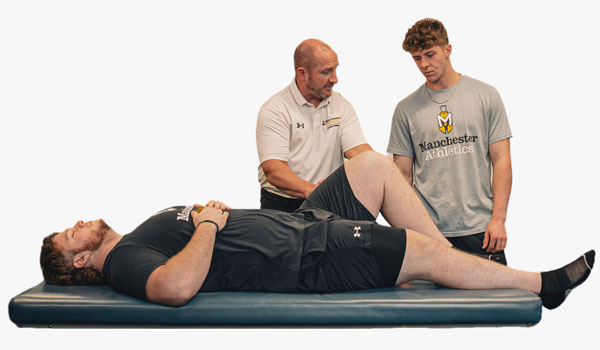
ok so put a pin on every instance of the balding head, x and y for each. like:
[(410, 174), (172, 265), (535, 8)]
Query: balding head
[(315, 65), (308, 53)]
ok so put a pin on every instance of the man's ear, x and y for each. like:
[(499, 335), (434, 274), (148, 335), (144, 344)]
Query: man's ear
[(80, 259), (448, 50), (302, 73)]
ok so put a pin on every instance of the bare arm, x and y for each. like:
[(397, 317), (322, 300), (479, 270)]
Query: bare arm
[(180, 278), (405, 164), (354, 151), (495, 235), (280, 175)]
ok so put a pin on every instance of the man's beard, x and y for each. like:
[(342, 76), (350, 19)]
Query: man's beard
[(319, 91), (96, 241), (321, 94)]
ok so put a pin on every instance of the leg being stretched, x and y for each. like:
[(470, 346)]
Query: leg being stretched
[(380, 187), (429, 260)]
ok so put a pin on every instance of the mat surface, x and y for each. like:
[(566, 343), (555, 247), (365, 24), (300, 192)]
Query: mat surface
[(418, 303)]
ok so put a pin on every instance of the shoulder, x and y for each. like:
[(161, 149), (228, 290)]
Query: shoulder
[(128, 267), (479, 85), (126, 253), (408, 105), (414, 96), (126, 248), (278, 108), (279, 100)]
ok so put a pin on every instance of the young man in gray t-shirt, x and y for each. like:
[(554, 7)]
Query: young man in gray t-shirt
[(450, 139)]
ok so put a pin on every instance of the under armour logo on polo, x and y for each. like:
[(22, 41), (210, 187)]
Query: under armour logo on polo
[(300, 125), (356, 229)]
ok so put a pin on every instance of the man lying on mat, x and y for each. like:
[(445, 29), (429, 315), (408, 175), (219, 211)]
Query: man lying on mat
[(330, 244)]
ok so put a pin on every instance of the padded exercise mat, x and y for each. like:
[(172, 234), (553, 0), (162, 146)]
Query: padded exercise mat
[(418, 303)]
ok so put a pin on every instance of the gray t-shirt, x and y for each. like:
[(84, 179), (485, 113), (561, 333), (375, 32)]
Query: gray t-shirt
[(449, 142)]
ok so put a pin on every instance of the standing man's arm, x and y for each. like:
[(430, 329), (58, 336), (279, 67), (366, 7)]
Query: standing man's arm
[(405, 164), (180, 278), (280, 175), (273, 145), (352, 139), (353, 152), (495, 235)]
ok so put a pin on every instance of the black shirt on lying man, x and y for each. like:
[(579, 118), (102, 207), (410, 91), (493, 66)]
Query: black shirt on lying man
[(311, 250)]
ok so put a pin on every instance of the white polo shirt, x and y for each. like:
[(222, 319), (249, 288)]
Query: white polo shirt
[(311, 139)]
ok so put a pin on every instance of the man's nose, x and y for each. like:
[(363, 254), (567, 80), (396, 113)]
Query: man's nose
[(79, 223), (333, 79)]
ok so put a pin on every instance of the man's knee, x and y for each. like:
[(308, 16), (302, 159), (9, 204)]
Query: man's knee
[(371, 159), (366, 170), (418, 257), (422, 245)]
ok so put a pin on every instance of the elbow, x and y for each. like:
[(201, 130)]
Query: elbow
[(273, 178), (270, 170), (408, 176), (180, 294), (176, 302), (171, 294), (269, 176), (179, 297)]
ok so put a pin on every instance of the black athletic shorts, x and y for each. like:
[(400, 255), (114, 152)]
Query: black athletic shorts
[(360, 253), (335, 195), (473, 244), (270, 200)]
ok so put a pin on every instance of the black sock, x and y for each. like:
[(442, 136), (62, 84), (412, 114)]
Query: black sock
[(557, 284)]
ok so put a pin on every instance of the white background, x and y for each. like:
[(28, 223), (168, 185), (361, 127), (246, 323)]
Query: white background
[(120, 108)]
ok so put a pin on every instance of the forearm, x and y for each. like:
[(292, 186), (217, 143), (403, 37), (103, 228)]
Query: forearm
[(353, 152), (405, 165), (176, 282), (501, 188), (281, 176), (408, 176)]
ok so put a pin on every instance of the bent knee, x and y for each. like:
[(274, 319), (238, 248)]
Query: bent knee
[(422, 245), (372, 159)]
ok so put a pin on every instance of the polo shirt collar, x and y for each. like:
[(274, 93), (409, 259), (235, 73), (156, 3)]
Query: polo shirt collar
[(301, 100)]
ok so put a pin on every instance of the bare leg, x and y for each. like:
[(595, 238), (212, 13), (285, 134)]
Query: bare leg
[(380, 187), (428, 260)]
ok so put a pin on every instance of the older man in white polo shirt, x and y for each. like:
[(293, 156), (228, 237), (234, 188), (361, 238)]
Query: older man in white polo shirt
[(304, 131)]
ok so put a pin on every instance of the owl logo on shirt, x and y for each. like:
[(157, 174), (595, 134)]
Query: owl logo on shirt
[(444, 119)]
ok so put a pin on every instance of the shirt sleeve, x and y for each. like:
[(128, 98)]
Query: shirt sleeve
[(130, 267), (351, 134), (400, 142), (272, 135), (499, 128)]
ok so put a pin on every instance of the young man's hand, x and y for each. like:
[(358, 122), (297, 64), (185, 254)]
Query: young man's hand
[(495, 237)]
